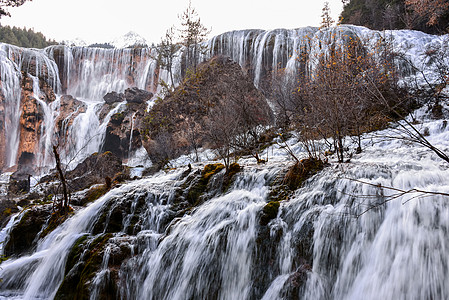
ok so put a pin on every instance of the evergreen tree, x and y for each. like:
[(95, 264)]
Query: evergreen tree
[(193, 32), (23, 37)]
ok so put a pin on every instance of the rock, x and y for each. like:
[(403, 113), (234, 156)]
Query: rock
[(23, 235), (30, 126), (113, 97), (7, 207), (94, 170), (136, 95), (19, 182), (69, 109), (122, 132)]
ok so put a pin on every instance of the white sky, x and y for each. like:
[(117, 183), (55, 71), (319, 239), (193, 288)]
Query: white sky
[(103, 20)]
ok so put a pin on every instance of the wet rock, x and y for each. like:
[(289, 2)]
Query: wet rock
[(7, 207), (23, 235), (136, 95), (113, 97), (94, 170), (122, 132), (69, 109)]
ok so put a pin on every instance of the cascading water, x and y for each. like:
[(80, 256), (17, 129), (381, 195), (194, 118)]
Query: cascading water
[(334, 238), (10, 78), (89, 73)]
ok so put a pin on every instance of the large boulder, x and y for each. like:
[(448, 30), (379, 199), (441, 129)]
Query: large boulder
[(113, 97), (22, 238), (136, 95), (181, 122), (94, 170)]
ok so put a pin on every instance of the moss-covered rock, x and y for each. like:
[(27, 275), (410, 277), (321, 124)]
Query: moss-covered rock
[(229, 177), (56, 219), (199, 185), (83, 262), (7, 207), (23, 236), (269, 212), (301, 171)]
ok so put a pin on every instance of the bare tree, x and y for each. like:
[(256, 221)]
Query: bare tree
[(9, 3), (429, 10), (326, 19), (166, 51), (64, 206)]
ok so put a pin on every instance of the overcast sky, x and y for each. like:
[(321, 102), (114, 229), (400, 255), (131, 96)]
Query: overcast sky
[(103, 20)]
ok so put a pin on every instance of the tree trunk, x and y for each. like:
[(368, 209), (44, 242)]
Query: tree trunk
[(65, 204)]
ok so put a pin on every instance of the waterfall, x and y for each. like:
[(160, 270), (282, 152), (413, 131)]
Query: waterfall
[(10, 77), (334, 238), (39, 275), (94, 72), (90, 73), (343, 235)]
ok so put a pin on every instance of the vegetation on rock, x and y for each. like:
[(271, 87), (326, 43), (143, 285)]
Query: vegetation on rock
[(218, 106)]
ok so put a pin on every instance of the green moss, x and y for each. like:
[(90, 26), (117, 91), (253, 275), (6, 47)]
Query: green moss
[(94, 193), (269, 212), (210, 170), (56, 219), (198, 188), (76, 285), (229, 176), (75, 253)]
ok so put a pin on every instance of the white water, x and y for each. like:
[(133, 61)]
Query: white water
[(90, 73), (4, 233), (395, 251)]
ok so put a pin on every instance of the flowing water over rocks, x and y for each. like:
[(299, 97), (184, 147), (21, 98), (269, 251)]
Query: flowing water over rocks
[(180, 234), (88, 74), (334, 238)]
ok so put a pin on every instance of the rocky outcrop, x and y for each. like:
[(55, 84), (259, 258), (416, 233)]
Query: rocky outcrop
[(30, 123), (94, 170), (136, 95), (113, 97), (69, 109), (122, 132), (7, 207), (181, 121), (22, 237)]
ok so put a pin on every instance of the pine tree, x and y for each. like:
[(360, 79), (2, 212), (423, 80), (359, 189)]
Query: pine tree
[(193, 32)]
